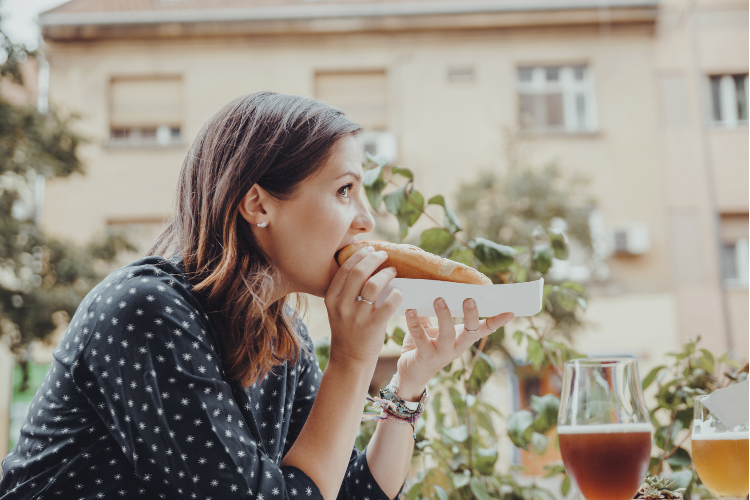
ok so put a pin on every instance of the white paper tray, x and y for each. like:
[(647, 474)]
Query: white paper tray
[(522, 299)]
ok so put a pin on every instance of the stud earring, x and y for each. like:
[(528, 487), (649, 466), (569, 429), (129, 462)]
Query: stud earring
[(263, 224)]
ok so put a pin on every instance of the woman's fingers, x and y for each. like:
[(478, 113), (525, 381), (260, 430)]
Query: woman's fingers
[(360, 273), (417, 330), (389, 305), (495, 322), (471, 315), (425, 321), (337, 284), (446, 330)]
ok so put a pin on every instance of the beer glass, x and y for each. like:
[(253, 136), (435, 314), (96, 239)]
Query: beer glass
[(720, 455), (604, 428)]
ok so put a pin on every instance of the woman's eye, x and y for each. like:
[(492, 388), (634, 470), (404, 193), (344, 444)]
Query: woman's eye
[(347, 188)]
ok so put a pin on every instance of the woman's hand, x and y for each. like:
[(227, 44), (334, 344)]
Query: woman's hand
[(358, 328), (427, 349)]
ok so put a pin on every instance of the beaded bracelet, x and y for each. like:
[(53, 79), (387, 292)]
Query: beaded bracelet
[(387, 410)]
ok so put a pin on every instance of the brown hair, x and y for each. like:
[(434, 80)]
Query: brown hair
[(277, 141)]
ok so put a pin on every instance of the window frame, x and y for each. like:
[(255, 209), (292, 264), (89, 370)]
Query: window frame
[(741, 263), (726, 95), (159, 135), (570, 88)]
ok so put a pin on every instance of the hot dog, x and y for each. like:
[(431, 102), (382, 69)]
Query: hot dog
[(414, 263)]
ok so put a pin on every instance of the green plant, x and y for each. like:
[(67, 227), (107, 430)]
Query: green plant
[(464, 444), (40, 275), (691, 372), (658, 488)]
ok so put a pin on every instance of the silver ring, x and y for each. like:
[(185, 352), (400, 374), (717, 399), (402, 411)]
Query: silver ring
[(480, 326), (359, 297)]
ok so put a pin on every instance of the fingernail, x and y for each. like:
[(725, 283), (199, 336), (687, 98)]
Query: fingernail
[(411, 313), (370, 249), (441, 303), (392, 269), (471, 304), (382, 253)]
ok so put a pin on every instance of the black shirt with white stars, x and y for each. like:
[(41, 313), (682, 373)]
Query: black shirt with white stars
[(136, 405)]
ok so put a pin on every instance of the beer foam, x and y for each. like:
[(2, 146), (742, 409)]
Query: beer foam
[(603, 428), (721, 435)]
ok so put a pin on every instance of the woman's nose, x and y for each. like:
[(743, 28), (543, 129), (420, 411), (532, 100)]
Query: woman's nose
[(364, 221)]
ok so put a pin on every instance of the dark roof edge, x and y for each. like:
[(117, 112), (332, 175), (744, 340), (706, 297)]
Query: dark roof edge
[(328, 11)]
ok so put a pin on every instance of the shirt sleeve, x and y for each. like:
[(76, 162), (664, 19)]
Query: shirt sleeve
[(358, 480), (150, 369)]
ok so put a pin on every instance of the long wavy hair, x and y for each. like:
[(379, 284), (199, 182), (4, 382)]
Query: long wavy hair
[(276, 141)]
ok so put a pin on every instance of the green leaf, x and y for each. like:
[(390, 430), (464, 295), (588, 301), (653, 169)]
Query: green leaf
[(574, 286), (493, 255), (546, 408), (541, 259), (442, 495), (538, 443), (414, 492), (558, 242), (483, 369), (450, 220), (375, 193), (486, 422), (497, 336), (463, 255), (484, 460), (407, 207), (461, 480), (457, 399), (651, 376), (372, 175), (479, 489), (520, 428), (518, 336), (396, 199), (398, 336), (535, 353), (682, 478), (436, 408), (565, 486), (403, 172), (521, 275), (680, 459), (436, 240), (457, 434), (708, 360)]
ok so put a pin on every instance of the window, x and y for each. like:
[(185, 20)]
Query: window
[(362, 95), (145, 111), (556, 99), (728, 100), (460, 73), (734, 250)]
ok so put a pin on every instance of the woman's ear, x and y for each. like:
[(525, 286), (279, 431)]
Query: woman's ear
[(254, 204)]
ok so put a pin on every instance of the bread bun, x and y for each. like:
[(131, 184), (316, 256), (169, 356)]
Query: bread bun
[(414, 263)]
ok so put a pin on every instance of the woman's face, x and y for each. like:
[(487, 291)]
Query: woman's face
[(304, 232)]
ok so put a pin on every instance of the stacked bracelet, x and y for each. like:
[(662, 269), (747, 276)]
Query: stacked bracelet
[(392, 406)]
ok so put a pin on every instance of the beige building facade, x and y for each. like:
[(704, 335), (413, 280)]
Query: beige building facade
[(648, 99)]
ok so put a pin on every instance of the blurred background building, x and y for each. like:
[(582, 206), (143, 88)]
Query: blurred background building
[(647, 98)]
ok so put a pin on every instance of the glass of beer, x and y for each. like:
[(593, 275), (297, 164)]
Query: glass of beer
[(604, 428), (720, 455)]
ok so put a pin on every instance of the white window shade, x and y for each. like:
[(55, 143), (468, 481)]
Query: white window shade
[(362, 95), (146, 102)]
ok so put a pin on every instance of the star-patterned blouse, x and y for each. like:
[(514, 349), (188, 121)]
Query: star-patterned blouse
[(136, 405)]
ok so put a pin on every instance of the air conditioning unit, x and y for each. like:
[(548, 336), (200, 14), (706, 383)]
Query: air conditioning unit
[(631, 239), (380, 145)]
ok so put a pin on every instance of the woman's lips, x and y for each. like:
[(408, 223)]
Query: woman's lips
[(336, 255)]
